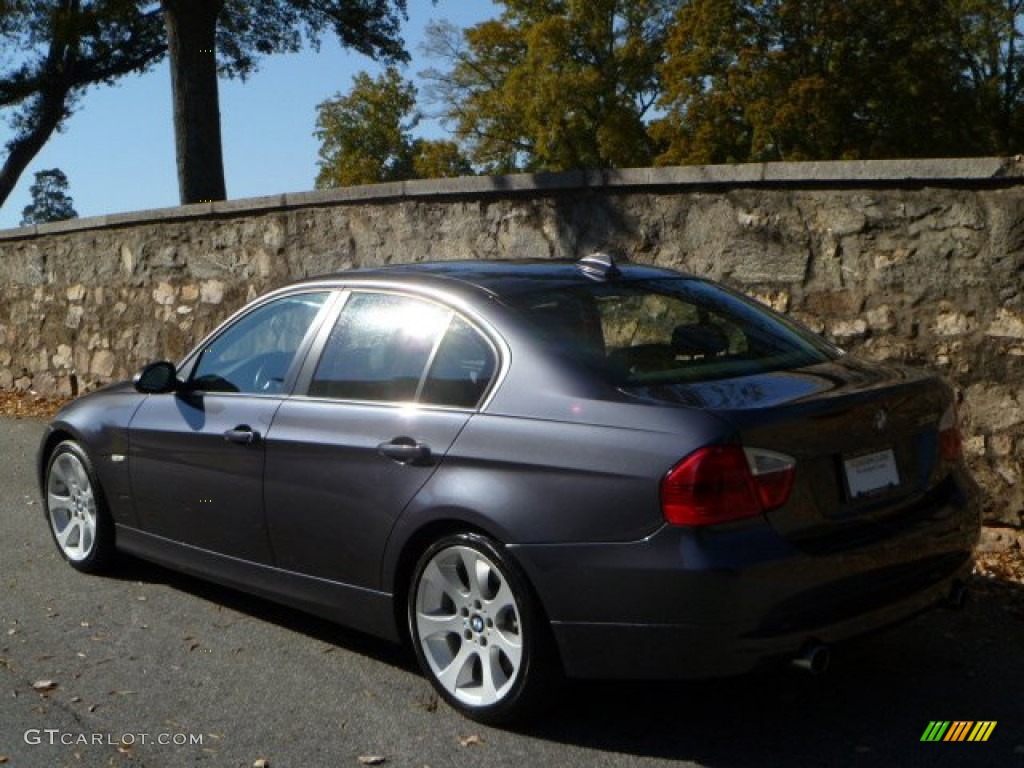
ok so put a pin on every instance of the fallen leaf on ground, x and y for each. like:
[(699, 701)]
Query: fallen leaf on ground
[(261, 763), (43, 685), (372, 759), (470, 741)]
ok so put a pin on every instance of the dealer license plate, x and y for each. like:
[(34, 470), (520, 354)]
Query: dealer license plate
[(871, 473)]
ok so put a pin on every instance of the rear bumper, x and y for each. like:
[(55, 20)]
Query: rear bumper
[(691, 603)]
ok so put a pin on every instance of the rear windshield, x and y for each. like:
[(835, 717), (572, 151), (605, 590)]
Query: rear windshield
[(668, 331)]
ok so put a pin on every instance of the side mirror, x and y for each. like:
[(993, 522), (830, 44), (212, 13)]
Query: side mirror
[(157, 378)]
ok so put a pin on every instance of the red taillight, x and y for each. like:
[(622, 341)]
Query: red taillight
[(950, 441), (719, 483)]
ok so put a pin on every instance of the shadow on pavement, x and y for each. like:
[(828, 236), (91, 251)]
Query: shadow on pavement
[(871, 708)]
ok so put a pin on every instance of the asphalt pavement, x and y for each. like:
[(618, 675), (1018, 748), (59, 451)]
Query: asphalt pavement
[(150, 668)]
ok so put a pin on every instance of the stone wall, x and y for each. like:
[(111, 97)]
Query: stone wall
[(919, 262)]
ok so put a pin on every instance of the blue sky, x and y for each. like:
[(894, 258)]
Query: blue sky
[(118, 148)]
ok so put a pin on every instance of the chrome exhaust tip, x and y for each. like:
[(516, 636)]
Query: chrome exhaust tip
[(814, 658)]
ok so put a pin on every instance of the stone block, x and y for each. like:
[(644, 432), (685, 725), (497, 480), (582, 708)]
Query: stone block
[(44, 383), (994, 540), (881, 318), (63, 358), (211, 292), (102, 363), (845, 303), (953, 324), (164, 294), (1000, 445), (1007, 324), (848, 329)]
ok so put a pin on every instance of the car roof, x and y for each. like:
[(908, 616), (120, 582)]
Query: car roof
[(505, 277)]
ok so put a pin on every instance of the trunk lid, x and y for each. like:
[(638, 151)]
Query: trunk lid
[(865, 438)]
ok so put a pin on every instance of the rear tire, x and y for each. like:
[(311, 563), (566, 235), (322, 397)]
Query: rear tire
[(478, 632), (76, 510)]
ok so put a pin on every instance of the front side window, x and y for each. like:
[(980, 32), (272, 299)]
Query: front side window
[(389, 348), (255, 353), (668, 331)]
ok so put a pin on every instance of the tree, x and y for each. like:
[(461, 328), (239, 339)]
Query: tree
[(62, 48), (438, 159), (816, 79), (50, 199), (207, 37), (553, 84), (366, 136), (990, 37)]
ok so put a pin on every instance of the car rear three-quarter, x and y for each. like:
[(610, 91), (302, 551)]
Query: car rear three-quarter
[(806, 498), (527, 468)]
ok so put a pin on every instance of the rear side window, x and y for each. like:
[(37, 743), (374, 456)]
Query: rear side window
[(668, 331), (389, 348), (462, 369)]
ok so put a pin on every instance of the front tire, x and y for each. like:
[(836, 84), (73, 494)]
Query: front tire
[(76, 510), (477, 631)]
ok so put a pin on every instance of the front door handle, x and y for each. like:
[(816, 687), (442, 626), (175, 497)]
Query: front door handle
[(405, 450), (243, 434)]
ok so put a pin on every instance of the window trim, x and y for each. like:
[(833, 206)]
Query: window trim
[(304, 378), (186, 368)]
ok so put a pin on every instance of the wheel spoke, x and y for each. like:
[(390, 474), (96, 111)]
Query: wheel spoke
[(494, 677), (460, 670), (58, 503), (444, 580), (68, 541), (479, 571), (502, 599), (430, 624), (508, 644)]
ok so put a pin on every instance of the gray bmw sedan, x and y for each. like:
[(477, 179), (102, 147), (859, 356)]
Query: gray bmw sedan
[(527, 469)]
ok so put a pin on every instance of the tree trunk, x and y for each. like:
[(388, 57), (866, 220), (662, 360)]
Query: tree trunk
[(191, 33)]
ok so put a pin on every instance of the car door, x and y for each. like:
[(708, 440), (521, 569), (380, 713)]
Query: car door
[(397, 380), (197, 455)]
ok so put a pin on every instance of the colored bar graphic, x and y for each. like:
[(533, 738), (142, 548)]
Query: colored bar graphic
[(958, 730), (982, 731), (935, 731)]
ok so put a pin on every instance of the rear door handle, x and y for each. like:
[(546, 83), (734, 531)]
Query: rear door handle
[(243, 434), (405, 450)]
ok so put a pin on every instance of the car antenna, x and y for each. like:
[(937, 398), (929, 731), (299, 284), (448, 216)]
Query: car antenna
[(600, 265)]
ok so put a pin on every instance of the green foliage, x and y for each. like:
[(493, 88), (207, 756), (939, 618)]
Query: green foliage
[(50, 199), (557, 84), (815, 79), (248, 29), (553, 84), (366, 136), (438, 159)]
